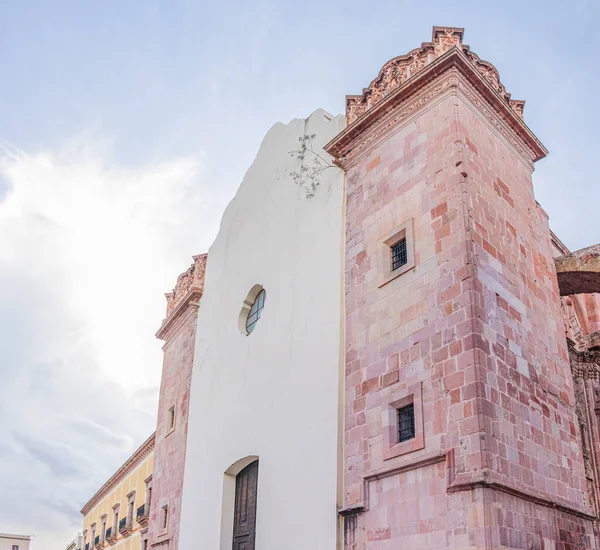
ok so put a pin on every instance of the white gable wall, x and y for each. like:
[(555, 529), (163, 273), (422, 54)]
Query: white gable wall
[(274, 393)]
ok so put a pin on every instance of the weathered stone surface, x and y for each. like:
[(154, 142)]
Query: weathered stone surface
[(579, 272), (477, 323), (178, 330)]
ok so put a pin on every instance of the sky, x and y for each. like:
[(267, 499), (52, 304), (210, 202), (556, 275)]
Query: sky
[(126, 127)]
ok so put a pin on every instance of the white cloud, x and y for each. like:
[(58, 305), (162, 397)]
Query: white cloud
[(87, 250)]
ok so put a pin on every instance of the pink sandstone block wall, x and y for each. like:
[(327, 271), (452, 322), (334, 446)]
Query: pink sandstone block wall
[(478, 324), (169, 454), (592, 304), (518, 311), (532, 441), (406, 333)]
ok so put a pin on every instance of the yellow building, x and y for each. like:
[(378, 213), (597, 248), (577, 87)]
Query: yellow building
[(117, 515)]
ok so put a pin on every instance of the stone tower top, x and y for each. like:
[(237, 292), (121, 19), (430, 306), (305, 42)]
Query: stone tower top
[(400, 69), (188, 290), (408, 82)]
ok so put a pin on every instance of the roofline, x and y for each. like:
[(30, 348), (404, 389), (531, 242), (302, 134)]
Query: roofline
[(142, 452), (559, 244), (16, 537), (342, 144)]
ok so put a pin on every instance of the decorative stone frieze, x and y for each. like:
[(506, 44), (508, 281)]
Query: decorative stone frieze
[(409, 84), (189, 280), (402, 68), (187, 293)]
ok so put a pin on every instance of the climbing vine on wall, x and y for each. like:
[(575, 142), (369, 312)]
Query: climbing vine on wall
[(310, 165)]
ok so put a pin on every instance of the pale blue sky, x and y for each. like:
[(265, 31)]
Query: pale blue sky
[(127, 125)]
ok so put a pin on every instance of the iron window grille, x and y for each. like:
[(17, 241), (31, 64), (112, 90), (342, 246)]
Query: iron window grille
[(97, 540), (140, 511), (108, 533), (122, 523), (256, 311), (399, 254), (406, 423)]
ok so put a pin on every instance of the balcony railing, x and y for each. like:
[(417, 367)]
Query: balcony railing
[(87, 546), (97, 542), (111, 537), (142, 515), (125, 527)]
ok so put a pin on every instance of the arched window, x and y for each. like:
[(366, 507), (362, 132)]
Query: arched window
[(256, 311)]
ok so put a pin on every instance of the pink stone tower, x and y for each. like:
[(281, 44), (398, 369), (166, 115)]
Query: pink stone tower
[(467, 333), (178, 331)]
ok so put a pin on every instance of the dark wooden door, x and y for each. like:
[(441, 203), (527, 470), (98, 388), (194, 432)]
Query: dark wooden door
[(244, 515)]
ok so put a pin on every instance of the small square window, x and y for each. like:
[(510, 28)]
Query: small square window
[(15, 547), (406, 423), (402, 420), (396, 252), (399, 255)]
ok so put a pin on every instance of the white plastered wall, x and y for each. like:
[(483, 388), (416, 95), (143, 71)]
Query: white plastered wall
[(273, 393)]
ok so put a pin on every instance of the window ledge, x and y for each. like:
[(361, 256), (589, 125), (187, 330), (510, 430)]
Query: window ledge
[(392, 400), (404, 231)]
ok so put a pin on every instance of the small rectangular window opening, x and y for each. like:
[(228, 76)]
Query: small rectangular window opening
[(399, 254), (171, 417), (165, 516), (406, 423), (15, 547)]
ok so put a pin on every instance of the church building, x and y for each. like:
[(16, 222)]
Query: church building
[(393, 350)]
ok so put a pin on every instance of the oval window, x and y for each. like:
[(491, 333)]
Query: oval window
[(255, 311)]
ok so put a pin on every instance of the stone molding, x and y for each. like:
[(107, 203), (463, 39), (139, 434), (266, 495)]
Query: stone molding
[(173, 324), (392, 399), (404, 67), (490, 480), (451, 71), (455, 482), (187, 293), (192, 277), (558, 243), (132, 462)]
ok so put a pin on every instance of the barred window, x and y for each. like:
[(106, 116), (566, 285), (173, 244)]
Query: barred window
[(256, 311), (399, 254), (406, 423)]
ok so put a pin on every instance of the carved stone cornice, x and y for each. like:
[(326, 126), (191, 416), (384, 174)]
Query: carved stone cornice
[(392, 99), (192, 277), (187, 293), (400, 69), (175, 321)]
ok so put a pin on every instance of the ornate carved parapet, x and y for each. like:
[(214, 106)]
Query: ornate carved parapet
[(409, 82), (193, 277), (187, 291), (399, 70), (579, 272)]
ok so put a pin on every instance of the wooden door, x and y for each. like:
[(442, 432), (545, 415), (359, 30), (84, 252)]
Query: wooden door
[(244, 514)]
